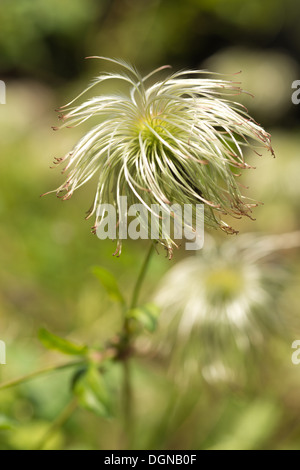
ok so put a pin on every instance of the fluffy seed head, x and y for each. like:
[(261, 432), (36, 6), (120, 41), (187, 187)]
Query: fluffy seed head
[(181, 140), (221, 308)]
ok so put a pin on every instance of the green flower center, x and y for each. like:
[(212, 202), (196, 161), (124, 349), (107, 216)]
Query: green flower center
[(224, 284), (155, 123)]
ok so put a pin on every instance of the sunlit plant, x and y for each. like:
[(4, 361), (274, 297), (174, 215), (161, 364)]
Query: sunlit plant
[(180, 140)]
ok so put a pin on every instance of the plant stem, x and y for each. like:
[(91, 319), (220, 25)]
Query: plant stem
[(127, 383), (58, 423), (32, 375), (140, 279)]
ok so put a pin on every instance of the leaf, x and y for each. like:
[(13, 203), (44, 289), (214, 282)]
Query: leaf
[(91, 389), (109, 282), (146, 316), (51, 341)]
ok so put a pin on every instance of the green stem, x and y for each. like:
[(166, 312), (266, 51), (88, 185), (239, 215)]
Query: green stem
[(32, 375), (58, 423), (127, 384), (140, 279)]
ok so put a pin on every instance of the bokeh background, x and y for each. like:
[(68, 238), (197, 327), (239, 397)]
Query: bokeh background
[(47, 251)]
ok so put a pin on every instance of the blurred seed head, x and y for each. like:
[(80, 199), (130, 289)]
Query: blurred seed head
[(219, 308)]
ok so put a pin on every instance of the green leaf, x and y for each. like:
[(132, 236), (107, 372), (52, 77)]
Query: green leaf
[(109, 282), (91, 389), (51, 341), (146, 316)]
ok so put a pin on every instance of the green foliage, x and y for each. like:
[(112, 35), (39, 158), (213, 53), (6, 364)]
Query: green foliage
[(91, 388), (47, 251), (109, 283), (51, 341), (29, 25), (145, 316)]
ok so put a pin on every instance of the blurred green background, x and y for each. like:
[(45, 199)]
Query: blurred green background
[(47, 250)]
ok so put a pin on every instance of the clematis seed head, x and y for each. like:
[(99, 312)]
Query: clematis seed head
[(181, 140)]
